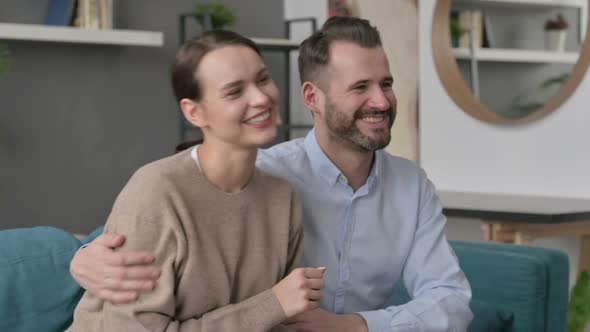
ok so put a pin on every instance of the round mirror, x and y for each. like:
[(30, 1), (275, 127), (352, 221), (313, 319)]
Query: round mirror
[(510, 61)]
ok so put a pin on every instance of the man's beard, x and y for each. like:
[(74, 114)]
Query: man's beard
[(343, 127)]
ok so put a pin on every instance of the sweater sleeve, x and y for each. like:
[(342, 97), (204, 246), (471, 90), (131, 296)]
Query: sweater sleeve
[(144, 214), (155, 311), (295, 250)]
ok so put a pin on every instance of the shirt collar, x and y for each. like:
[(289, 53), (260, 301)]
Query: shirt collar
[(323, 166)]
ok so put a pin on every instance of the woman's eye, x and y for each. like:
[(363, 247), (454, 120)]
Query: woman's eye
[(264, 79), (233, 93)]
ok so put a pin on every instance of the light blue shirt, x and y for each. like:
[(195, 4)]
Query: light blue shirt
[(391, 227)]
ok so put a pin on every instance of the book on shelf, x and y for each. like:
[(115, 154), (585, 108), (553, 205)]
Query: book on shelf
[(106, 14), (95, 14), (60, 12), (488, 38), (471, 22)]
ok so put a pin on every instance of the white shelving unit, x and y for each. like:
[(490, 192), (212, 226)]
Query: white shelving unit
[(46, 33), (525, 3), (514, 55), (476, 55), (581, 5), (276, 43)]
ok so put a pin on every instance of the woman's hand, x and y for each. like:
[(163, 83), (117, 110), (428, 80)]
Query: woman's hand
[(300, 290)]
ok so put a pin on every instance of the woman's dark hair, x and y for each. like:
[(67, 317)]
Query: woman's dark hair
[(188, 57), (184, 69)]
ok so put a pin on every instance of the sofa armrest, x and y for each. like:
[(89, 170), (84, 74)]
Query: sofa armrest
[(37, 292), (531, 282)]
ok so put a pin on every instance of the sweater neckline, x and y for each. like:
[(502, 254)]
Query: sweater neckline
[(194, 161)]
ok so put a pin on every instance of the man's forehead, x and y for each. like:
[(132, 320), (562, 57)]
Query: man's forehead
[(350, 54), (349, 49), (351, 59)]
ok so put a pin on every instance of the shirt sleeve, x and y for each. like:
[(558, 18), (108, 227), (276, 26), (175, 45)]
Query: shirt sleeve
[(439, 290), (147, 224)]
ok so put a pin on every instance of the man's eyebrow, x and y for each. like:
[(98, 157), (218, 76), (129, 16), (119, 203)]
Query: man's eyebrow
[(387, 79), (355, 83)]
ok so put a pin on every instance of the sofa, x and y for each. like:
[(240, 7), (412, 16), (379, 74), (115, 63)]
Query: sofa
[(515, 288)]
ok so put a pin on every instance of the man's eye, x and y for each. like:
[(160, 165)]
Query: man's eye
[(386, 86), (361, 87)]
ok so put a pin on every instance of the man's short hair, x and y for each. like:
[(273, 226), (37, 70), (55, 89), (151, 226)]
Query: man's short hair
[(314, 52)]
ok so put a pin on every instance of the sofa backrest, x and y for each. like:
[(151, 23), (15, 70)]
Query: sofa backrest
[(531, 282)]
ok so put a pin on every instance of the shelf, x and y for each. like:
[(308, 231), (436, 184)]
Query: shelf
[(524, 3), (513, 55), (276, 43), (46, 33)]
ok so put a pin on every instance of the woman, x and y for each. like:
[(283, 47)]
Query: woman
[(226, 235)]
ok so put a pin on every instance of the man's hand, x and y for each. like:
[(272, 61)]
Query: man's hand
[(321, 320), (116, 277)]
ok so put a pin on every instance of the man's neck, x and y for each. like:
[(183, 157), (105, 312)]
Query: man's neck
[(353, 163)]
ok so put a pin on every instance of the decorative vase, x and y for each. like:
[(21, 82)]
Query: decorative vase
[(555, 40)]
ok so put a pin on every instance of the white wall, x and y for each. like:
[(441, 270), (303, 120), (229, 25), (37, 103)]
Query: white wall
[(299, 31), (546, 157), (459, 152), (397, 22)]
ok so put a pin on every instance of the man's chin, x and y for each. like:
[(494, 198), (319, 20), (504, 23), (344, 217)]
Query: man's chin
[(370, 145), (378, 143)]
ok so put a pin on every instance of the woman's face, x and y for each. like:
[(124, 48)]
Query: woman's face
[(240, 101)]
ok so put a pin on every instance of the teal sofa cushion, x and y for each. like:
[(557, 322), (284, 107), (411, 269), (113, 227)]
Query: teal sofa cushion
[(515, 288), (530, 282), (37, 292), (488, 318)]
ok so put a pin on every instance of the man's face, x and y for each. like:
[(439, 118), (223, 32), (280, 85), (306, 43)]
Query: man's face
[(360, 105)]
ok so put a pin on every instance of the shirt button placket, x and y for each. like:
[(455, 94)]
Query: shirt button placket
[(343, 266)]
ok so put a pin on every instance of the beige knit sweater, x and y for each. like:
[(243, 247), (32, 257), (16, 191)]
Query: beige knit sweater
[(220, 253)]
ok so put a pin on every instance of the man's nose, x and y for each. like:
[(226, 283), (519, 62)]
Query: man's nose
[(378, 100)]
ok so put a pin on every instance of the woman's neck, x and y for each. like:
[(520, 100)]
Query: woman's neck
[(227, 167)]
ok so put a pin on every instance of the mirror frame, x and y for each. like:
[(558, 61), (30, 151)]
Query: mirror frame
[(457, 88)]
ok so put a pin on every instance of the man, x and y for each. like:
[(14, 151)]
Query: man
[(369, 217)]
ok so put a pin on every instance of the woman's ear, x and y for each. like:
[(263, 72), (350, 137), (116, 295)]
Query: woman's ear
[(312, 97), (193, 112)]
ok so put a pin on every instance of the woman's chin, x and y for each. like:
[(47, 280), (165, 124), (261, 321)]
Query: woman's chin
[(269, 137)]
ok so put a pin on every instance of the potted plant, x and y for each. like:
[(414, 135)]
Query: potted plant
[(456, 30), (533, 100), (220, 15), (555, 32), (578, 316), (4, 60)]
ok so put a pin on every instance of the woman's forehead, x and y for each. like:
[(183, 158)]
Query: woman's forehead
[(229, 63)]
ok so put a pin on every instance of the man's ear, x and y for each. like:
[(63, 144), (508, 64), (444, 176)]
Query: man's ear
[(193, 112), (312, 96)]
